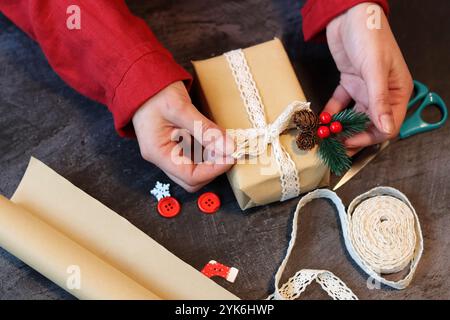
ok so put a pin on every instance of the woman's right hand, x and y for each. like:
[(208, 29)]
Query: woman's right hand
[(169, 115)]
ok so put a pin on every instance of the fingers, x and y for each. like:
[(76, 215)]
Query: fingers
[(205, 131), (214, 159), (352, 151), (189, 175), (338, 101), (364, 139), (389, 93), (178, 163), (376, 76), (186, 186), (193, 176)]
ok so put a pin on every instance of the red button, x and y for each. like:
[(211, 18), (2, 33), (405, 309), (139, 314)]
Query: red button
[(208, 202), (168, 207)]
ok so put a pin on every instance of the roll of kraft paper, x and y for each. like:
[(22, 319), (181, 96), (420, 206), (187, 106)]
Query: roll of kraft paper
[(54, 255), (106, 241)]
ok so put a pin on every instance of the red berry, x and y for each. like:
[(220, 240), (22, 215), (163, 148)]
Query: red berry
[(325, 118), (323, 132), (336, 127)]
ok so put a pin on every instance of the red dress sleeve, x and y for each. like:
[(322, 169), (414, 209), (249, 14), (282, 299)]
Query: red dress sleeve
[(114, 58), (318, 13)]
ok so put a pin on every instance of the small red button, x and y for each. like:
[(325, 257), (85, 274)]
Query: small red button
[(168, 207), (208, 202)]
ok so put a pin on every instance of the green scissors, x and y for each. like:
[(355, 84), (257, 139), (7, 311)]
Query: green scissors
[(411, 126), (415, 124)]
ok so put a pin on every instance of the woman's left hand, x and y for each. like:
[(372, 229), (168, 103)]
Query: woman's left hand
[(373, 74)]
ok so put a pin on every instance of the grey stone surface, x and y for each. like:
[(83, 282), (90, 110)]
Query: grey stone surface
[(43, 117)]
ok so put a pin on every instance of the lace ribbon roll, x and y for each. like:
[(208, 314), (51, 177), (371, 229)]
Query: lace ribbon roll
[(381, 233), (385, 235)]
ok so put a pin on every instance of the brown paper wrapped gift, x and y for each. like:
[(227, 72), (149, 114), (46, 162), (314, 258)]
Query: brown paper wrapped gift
[(258, 183)]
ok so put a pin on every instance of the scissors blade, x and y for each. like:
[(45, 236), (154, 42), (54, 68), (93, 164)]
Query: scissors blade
[(362, 160)]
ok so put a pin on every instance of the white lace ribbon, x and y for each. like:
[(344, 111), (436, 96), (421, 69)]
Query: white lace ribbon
[(381, 232), (255, 141)]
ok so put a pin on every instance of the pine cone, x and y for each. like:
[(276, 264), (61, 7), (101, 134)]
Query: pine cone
[(306, 140), (306, 120)]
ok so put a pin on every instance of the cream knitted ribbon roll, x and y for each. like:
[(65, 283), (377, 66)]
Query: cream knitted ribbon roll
[(256, 140), (382, 234)]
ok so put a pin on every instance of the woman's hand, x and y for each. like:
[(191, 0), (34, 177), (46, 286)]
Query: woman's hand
[(162, 120), (373, 74)]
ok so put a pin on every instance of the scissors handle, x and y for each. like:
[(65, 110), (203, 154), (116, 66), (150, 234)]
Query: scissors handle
[(420, 92), (415, 124)]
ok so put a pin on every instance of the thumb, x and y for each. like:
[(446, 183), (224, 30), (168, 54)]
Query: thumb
[(205, 131), (380, 111)]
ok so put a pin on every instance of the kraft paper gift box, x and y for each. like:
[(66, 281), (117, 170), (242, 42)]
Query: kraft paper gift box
[(257, 183)]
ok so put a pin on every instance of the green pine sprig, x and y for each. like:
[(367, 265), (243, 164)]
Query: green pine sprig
[(333, 154), (353, 122), (331, 150)]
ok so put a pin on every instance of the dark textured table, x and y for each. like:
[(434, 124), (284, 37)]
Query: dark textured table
[(43, 117)]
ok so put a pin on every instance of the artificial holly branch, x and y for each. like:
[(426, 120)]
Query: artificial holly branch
[(328, 131)]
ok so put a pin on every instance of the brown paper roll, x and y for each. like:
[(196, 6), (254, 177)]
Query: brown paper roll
[(50, 224), (52, 254)]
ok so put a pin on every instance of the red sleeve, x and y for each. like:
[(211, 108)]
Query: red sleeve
[(318, 13), (114, 58)]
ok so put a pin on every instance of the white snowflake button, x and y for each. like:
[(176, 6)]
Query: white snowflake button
[(161, 190)]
